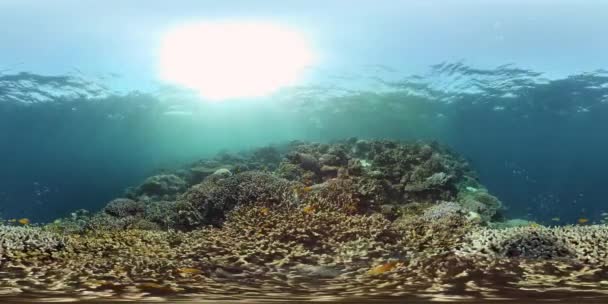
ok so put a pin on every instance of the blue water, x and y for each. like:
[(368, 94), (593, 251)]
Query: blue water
[(538, 143)]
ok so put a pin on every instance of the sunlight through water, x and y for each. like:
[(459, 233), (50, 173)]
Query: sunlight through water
[(226, 60)]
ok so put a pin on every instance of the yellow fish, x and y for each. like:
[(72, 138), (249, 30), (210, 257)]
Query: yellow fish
[(583, 220), (24, 221), (382, 268), (264, 211), (309, 209), (556, 219), (188, 270)]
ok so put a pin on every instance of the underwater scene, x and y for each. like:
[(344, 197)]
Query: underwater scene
[(294, 151)]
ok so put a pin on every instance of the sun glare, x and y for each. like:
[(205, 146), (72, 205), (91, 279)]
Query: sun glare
[(224, 60)]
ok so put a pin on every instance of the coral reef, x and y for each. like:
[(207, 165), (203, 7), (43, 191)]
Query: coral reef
[(353, 217), (352, 176)]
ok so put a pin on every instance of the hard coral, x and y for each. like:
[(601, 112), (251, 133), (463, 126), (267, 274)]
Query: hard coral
[(481, 202), (288, 234), (409, 172), (586, 244), (164, 186), (350, 195), (212, 199), (443, 210), (123, 207), (21, 242), (118, 214), (425, 236)]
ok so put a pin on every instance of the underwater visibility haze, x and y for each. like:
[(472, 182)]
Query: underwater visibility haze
[(341, 151)]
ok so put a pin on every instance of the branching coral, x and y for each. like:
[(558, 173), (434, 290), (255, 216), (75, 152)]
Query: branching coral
[(21, 242)]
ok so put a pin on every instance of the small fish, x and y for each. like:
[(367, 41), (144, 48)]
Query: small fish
[(150, 285), (605, 214), (309, 209), (188, 270), (12, 221), (264, 211), (24, 221), (471, 189), (556, 219), (583, 220), (307, 189), (382, 268)]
